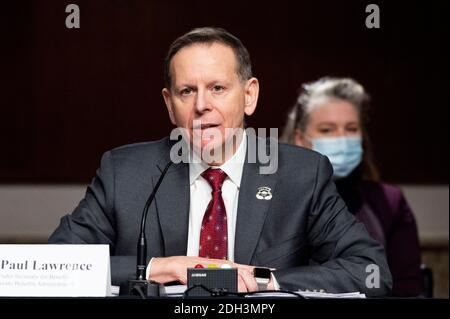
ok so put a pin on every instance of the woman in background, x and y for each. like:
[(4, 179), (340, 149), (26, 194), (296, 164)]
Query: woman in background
[(329, 117)]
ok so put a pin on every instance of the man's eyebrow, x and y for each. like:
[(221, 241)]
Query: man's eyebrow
[(220, 81), (326, 123), (184, 85)]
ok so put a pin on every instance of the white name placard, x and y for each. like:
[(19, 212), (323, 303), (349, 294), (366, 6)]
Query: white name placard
[(55, 270)]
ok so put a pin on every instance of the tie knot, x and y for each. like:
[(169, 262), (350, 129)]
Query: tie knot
[(215, 178)]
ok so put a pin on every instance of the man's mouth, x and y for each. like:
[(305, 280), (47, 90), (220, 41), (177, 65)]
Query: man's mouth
[(205, 126)]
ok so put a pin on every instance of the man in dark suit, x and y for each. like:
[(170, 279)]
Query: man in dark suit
[(224, 209)]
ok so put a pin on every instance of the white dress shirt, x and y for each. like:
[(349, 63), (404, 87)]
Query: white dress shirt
[(200, 196), (200, 192)]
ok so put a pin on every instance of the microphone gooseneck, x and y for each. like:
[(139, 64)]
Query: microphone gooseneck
[(141, 264)]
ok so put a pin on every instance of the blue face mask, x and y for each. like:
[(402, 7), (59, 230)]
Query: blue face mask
[(344, 153)]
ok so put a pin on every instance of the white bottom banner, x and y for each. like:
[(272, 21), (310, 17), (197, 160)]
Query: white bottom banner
[(55, 271)]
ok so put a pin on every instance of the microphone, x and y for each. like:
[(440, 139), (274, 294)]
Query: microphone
[(141, 286)]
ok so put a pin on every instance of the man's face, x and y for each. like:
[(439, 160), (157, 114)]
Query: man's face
[(207, 96)]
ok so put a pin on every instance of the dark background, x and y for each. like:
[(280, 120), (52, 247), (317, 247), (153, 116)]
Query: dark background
[(68, 95)]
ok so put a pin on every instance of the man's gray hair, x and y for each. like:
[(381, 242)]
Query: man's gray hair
[(318, 93), (209, 35)]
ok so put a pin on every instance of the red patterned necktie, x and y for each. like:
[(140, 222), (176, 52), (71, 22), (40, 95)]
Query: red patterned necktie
[(213, 235)]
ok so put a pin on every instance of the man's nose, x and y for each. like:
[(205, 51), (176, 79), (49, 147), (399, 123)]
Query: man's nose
[(202, 101)]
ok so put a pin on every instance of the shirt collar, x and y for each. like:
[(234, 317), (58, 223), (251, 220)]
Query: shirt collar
[(233, 167)]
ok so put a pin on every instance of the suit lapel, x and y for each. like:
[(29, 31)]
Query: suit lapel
[(251, 212), (172, 205)]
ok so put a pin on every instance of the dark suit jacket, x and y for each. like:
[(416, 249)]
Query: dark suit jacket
[(305, 230)]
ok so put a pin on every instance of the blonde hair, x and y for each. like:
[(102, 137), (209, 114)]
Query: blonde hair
[(322, 91)]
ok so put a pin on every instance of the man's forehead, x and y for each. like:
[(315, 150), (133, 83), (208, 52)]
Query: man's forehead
[(204, 56)]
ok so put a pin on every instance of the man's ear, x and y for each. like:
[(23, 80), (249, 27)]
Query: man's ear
[(167, 99), (251, 96)]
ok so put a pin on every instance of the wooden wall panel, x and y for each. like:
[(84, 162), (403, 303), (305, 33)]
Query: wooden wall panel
[(69, 95)]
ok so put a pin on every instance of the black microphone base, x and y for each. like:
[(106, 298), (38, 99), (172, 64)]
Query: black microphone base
[(143, 288)]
